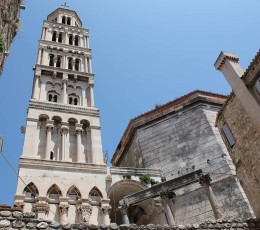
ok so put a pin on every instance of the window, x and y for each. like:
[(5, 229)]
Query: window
[(51, 61), (73, 99), (54, 192), (77, 63), (70, 39), (68, 21), (53, 97), (31, 191), (60, 38), (74, 193), (58, 63), (51, 155), (54, 36), (63, 20), (70, 63), (76, 40), (228, 135)]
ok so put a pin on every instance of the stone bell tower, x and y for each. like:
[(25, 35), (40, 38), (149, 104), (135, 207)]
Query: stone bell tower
[(62, 141)]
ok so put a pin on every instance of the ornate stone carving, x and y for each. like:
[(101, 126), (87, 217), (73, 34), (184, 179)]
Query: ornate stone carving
[(86, 211), (41, 208), (64, 208), (18, 204), (106, 210)]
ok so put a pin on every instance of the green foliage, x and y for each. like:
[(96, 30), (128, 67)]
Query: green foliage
[(2, 45), (127, 176), (145, 178)]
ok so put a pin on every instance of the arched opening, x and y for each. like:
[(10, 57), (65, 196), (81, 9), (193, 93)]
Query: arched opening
[(69, 63), (52, 96), (68, 21), (58, 63), (63, 20), (76, 40), (51, 60), (51, 155), (124, 188), (54, 192), (54, 36), (73, 99), (60, 38), (70, 39), (95, 194), (73, 193), (31, 191), (77, 65), (85, 124)]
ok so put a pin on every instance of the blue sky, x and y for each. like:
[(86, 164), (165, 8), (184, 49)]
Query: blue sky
[(145, 53)]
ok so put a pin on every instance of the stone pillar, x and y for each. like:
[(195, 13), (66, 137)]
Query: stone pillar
[(39, 56), (106, 210), (36, 87), (87, 42), (64, 209), (49, 128), (90, 65), (168, 212), (86, 211), (64, 91), (91, 92), (96, 145), (205, 181), (228, 64), (78, 133), (64, 133), (86, 65), (124, 212)]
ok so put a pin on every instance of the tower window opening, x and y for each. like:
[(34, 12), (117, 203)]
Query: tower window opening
[(51, 62), (63, 20), (68, 21), (58, 63), (70, 39), (70, 100), (70, 63), (51, 156), (75, 101), (55, 98), (54, 36), (50, 97), (77, 41), (77, 63), (60, 38)]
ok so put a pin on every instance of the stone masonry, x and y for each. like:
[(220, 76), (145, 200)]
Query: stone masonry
[(9, 24), (180, 137)]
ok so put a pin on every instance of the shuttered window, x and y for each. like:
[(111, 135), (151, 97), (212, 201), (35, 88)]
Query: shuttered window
[(228, 135)]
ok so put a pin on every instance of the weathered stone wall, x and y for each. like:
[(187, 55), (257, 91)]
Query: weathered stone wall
[(181, 143), (9, 24), (246, 151)]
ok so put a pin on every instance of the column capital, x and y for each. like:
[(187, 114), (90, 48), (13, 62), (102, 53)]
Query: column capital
[(91, 85), (64, 208), (19, 204), (86, 211), (49, 127), (123, 209), (205, 179), (79, 130), (106, 210), (64, 129), (41, 208)]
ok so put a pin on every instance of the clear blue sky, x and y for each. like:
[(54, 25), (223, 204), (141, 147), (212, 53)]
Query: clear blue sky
[(144, 53)]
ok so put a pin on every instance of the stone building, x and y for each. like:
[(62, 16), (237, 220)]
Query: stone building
[(9, 24), (239, 122), (178, 138), (62, 174)]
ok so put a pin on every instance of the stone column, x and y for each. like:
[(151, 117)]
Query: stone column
[(205, 181), (168, 211), (84, 98), (86, 212), (91, 86), (90, 65), (86, 65), (64, 91), (49, 128), (87, 42), (39, 56), (124, 212), (64, 133), (106, 210), (78, 133), (36, 87), (64, 208)]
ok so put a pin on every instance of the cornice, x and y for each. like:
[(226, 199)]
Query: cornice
[(61, 165), (135, 171), (66, 47), (47, 24), (223, 57), (90, 111)]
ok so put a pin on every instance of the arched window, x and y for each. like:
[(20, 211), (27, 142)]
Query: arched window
[(73, 99), (70, 39), (54, 192), (51, 155), (58, 63), (77, 64), (30, 191), (60, 38), (63, 20), (52, 96), (95, 194), (69, 63), (51, 61), (76, 40), (54, 36), (68, 21), (73, 193)]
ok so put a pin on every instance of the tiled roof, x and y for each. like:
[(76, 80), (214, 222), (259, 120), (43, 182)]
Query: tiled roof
[(162, 110), (19, 220)]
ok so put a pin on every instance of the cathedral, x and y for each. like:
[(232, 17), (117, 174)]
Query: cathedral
[(157, 166)]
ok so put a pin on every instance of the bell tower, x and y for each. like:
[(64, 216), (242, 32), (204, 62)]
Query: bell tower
[(62, 154)]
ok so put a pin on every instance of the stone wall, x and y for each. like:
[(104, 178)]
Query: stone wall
[(9, 24), (183, 142), (246, 151)]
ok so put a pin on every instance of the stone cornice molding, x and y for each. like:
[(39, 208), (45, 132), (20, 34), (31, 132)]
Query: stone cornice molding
[(51, 25), (62, 165), (135, 171), (223, 57), (51, 106)]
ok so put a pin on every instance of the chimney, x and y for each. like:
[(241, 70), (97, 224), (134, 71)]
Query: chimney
[(227, 63)]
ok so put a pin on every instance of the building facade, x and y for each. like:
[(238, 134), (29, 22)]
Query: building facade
[(62, 174), (180, 137), (239, 122)]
